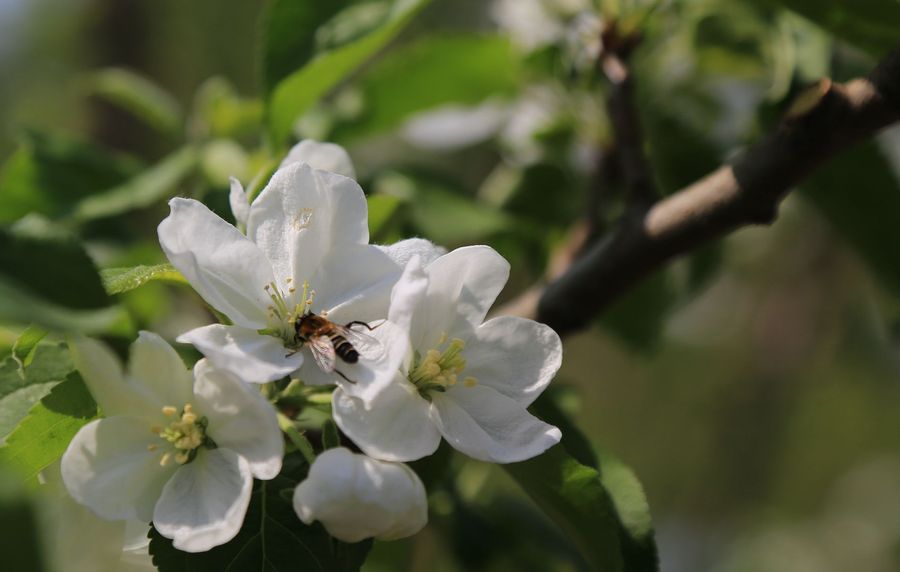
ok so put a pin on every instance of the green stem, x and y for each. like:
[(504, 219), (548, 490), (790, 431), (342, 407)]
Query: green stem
[(302, 443)]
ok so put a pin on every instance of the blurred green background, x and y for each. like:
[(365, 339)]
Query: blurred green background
[(754, 387)]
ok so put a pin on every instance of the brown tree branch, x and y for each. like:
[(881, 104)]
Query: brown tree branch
[(827, 119)]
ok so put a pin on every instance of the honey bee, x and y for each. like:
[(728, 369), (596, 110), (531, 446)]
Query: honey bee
[(328, 341)]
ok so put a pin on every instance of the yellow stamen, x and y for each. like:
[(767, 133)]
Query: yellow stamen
[(169, 411), (165, 459)]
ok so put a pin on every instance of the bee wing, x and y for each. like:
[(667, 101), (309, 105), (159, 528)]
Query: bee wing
[(322, 351), (367, 345)]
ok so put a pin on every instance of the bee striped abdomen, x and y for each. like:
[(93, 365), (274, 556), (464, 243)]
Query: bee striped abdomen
[(344, 349)]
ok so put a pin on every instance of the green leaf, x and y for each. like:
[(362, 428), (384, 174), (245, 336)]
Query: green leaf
[(47, 279), (19, 307), (26, 344), (50, 264), (860, 196), (137, 94), (303, 88), (118, 280), (636, 534), (870, 24), (272, 538), (381, 209), (632, 510), (463, 69), (48, 174), (154, 184), (21, 389), (573, 496), (289, 36), (44, 434)]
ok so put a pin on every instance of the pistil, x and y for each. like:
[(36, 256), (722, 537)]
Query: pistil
[(186, 434), (439, 369)]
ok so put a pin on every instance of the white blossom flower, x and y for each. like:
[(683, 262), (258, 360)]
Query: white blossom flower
[(357, 497), (175, 448), (322, 156), (77, 540), (306, 250), (465, 380)]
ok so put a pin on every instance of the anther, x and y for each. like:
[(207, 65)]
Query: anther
[(165, 459), (169, 411)]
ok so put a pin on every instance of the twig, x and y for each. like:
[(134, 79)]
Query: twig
[(827, 119), (629, 140)]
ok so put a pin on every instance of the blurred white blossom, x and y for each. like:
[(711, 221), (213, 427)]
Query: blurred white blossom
[(357, 497), (175, 448), (78, 540)]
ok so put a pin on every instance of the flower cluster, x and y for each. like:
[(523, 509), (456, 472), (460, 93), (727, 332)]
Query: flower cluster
[(399, 332)]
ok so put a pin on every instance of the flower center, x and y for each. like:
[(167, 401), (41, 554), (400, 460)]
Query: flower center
[(186, 433), (439, 369), (283, 315)]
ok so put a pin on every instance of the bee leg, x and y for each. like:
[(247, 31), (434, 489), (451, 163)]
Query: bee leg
[(354, 322), (344, 376)]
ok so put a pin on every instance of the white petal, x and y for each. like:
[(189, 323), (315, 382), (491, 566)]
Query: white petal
[(355, 283), (154, 364), (489, 426), (240, 419), (515, 356), (226, 268), (408, 293), (136, 538), (102, 373), (252, 357), (240, 205), (321, 156), (78, 539), (451, 127), (108, 467), (301, 214), (402, 252), (356, 497), (462, 285), (204, 503), (395, 426)]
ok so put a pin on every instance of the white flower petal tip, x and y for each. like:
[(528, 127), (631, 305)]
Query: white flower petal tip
[(403, 251), (185, 457), (203, 505), (322, 156), (243, 352), (357, 497), (240, 204)]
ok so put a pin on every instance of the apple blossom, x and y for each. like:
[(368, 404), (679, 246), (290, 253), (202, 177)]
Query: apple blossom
[(80, 541), (307, 233), (357, 497), (465, 380), (175, 448)]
